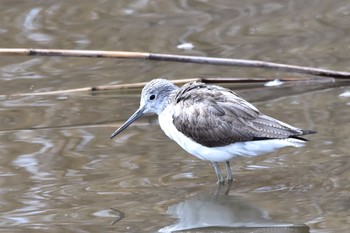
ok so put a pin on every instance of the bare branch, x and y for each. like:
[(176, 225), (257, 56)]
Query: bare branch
[(175, 58)]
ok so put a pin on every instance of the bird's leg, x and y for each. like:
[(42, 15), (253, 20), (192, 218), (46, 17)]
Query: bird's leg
[(217, 191), (229, 172), (228, 188), (218, 173)]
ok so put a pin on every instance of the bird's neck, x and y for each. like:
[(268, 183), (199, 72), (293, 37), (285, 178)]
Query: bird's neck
[(168, 99)]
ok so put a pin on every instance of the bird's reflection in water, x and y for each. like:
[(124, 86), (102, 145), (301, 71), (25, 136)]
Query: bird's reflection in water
[(219, 210)]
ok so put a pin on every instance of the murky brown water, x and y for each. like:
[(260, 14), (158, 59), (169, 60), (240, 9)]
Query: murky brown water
[(59, 171)]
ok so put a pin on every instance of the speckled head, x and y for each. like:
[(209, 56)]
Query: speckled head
[(154, 98), (155, 94)]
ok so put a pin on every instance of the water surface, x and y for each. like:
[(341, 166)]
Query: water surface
[(60, 171)]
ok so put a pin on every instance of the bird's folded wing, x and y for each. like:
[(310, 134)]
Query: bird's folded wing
[(214, 116)]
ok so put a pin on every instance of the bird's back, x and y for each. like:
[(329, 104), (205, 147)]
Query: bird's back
[(214, 116)]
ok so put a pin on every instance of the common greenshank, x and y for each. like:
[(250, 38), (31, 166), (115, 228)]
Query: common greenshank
[(214, 123)]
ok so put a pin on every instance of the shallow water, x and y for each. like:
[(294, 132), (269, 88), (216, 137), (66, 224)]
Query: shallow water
[(59, 170)]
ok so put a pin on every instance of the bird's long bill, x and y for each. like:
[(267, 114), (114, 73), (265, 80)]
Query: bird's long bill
[(131, 119)]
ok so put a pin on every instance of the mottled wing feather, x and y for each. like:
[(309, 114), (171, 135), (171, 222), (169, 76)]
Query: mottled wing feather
[(214, 116)]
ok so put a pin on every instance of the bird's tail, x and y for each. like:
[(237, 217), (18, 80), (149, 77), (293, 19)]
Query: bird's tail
[(304, 132)]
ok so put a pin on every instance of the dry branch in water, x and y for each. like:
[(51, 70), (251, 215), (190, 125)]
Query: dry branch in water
[(174, 58), (129, 86)]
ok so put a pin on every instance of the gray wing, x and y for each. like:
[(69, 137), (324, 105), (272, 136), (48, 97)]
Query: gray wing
[(214, 116)]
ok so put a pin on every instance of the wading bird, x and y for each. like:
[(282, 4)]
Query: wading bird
[(213, 123)]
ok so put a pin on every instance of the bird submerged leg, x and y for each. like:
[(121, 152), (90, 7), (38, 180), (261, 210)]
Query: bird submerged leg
[(229, 177), (229, 172), (218, 173), (228, 188)]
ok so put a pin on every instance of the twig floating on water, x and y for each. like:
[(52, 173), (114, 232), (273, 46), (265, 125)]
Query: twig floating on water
[(129, 86), (174, 58)]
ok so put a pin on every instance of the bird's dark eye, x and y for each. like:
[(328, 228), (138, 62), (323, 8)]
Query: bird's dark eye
[(152, 97)]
